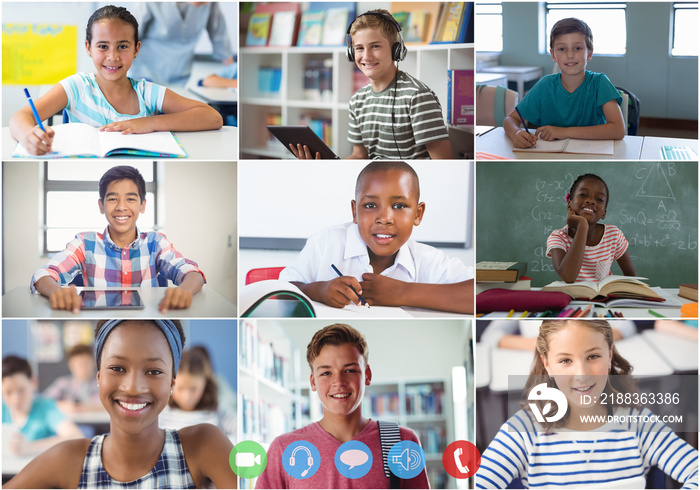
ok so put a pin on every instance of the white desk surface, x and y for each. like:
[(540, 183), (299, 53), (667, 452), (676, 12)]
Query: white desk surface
[(207, 303), (681, 354), (220, 95), (284, 308), (512, 70), (631, 313), (12, 463), (491, 79), (498, 143), (220, 145), (505, 362), (651, 149), (643, 358)]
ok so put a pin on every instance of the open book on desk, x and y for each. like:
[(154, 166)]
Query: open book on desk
[(275, 298), (82, 140), (613, 291), (572, 145)]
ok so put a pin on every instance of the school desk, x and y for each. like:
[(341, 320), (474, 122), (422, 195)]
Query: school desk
[(11, 463), (518, 74), (498, 143), (286, 308), (491, 79), (220, 144), (651, 148), (681, 354), (207, 303)]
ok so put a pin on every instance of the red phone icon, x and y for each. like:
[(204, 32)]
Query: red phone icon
[(461, 459)]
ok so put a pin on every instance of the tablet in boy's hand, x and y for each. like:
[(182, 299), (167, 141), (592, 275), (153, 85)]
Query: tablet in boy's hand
[(129, 299), (303, 135)]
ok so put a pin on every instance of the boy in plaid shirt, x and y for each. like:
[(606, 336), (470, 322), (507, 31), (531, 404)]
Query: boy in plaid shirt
[(121, 256)]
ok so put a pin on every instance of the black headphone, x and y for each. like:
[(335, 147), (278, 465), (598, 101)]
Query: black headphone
[(398, 50)]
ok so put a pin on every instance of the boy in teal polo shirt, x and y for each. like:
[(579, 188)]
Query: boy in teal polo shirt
[(575, 103)]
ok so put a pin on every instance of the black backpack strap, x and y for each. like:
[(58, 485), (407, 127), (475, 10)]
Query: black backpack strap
[(389, 435)]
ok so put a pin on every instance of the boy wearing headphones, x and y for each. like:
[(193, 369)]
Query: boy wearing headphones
[(396, 116)]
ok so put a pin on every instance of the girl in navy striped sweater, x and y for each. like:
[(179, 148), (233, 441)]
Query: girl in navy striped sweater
[(597, 436)]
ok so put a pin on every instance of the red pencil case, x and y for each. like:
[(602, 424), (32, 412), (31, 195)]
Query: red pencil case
[(506, 300)]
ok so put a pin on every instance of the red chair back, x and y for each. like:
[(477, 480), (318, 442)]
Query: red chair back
[(263, 274)]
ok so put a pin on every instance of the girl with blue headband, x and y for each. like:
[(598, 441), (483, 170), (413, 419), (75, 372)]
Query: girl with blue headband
[(137, 362)]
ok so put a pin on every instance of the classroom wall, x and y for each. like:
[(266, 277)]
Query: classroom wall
[(321, 193), (221, 340), (200, 219), (666, 87)]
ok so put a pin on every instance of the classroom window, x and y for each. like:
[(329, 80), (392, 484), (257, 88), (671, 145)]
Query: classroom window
[(489, 22), (685, 29), (607, 20), (70, 201)]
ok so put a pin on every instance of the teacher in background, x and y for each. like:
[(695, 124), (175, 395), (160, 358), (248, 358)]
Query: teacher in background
[(169, 34)]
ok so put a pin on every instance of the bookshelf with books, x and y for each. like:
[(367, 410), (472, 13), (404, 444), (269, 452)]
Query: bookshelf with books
[(422, 405), (266, 374), (292, 102)]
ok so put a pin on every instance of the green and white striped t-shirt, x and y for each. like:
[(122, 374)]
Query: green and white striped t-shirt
[(417, 120)]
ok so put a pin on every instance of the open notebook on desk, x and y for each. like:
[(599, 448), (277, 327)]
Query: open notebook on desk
[(82, 140), (276, 298), (572, 145)]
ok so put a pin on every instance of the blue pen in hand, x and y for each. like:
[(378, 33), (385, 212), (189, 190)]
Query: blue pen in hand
[(340, 274), (36, 114), (523, 121)]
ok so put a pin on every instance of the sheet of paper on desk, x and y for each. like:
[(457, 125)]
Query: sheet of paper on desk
[(572, 145), (355, 311)]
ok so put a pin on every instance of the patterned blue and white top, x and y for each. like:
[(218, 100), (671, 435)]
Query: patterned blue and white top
[(617, 455), (169, 472), (87, 104)]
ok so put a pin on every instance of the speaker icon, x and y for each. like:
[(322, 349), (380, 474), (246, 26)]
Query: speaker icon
[(406, 459), (409, 459)]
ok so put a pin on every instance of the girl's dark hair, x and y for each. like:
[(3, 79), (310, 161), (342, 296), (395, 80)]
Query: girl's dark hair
[(583, 177), (196, 363), (619, 378), (177, 324), (112, 12)]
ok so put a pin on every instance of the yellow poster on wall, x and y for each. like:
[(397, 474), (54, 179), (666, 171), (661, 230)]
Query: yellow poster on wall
[(36, 54)]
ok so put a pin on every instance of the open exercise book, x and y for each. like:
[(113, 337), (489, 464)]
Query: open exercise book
[(82, 140), (573, 145), (276, 298)]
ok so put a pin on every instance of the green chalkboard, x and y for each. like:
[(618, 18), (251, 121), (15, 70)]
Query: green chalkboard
[(655, 204)]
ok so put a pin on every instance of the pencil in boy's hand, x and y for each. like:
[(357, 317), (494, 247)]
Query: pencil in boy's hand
[(340, 274), (523, 121), (36, 114)]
